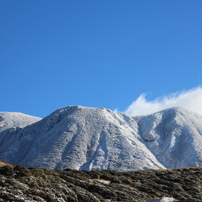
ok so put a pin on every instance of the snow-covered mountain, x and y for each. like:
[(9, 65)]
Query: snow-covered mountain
[(98, 138), (15, 120)]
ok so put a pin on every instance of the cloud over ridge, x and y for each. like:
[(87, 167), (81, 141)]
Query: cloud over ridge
[(189, 99)]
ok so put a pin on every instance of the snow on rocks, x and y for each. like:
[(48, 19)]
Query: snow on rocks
[(164, 199), (15, 119), (97, 138)]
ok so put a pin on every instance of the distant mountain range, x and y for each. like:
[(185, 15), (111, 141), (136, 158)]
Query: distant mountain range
[(97, 138)]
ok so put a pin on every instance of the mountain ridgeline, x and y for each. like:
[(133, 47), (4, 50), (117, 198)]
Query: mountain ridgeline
[(85, 138)]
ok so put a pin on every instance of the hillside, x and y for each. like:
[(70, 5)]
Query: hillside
[(97, 138), (13, 120), (20, 184)]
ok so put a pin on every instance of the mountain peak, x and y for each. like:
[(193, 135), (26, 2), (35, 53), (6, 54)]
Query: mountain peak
[(87, 138), (15, 119)]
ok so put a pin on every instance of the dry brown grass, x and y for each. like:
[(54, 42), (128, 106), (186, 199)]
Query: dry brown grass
[(2, 163)]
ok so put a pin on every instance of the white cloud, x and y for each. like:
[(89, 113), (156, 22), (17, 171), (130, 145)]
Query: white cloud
[(190, 99)]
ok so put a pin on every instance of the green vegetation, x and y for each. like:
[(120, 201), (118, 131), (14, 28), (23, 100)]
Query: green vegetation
[(20, 184)]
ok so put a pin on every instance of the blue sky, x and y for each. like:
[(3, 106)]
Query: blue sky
[(96, 53)]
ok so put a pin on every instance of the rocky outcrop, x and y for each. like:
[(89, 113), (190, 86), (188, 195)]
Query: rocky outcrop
[(36, 184)]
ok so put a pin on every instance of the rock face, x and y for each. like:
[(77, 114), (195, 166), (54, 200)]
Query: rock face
[(97, 138), (20, 184)]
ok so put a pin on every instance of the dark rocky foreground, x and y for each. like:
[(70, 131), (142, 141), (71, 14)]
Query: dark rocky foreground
[(22, 184)]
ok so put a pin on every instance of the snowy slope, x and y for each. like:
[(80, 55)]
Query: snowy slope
[(174, 136), (15, 120), (98, 138)]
